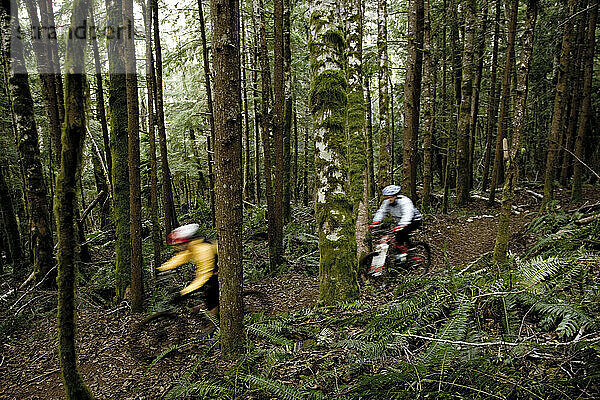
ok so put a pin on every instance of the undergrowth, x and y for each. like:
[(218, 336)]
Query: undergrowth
[(526, 329)]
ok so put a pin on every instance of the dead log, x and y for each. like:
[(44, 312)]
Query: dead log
[(587, 220)]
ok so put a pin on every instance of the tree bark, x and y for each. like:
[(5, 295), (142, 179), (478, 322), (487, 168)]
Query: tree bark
[(464, 116), (558, 112), (384, 177), (248, 179), (70, 170), (287, 114), (10, 225), (333, 205), (278, 133), (584, 114), (492, 111), (515, 154), (371, 183), (512, 11), (412, 97), (429, 106), (167, 190), (228, 166), (117, 100), (29, 151)]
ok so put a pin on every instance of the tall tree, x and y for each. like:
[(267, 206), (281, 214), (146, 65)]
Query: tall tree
[(558, 113), (515, 154), (584, 114), (228, 150), (371, 189), (492, 110), (135, 195), (167, 190), (464, 116), (287, 114), (384, 176), (333, 205), (357, 160), (429, 84), (512, 10), (412, 97), (73, 135), (150, 83), (248, 179), (117, 100), (10, 225), (29, 151), (211, 118)]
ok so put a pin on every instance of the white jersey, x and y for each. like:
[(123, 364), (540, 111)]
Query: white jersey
[(402, 210)]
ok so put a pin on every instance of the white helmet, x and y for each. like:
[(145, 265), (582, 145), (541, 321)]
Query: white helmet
[(182, 234), (391, 190)]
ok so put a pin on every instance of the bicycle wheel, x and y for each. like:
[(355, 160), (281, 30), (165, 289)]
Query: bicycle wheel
[(156, 334), (419, 257), (256, 302)]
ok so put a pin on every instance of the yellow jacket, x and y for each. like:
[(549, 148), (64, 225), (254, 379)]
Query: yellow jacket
[(202, 254)]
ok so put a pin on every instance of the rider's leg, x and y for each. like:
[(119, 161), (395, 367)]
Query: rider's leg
[(211, 295)]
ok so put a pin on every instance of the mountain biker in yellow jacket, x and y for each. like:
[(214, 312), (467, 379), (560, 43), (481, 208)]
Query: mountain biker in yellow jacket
[(204, 255)]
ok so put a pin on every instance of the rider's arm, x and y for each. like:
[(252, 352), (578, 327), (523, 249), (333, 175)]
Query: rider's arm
[(381, 212), (177, 260), (204, 257)]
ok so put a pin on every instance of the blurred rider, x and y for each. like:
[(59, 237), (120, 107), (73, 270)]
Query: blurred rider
[(203, 254), (402, 210)]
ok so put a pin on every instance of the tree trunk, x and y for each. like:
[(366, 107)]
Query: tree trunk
[(117, 100), (429, 107), (287, 114), (167, 192), (29, 151), (558, 113), (135, 195), (333, 205), (514, 159), (480, 43), (211, 118), (257, 115), (371, 183), (305, 170), (492, 111), (464, 116), (512, 11), (357, 160), (278, 133), (228, 166), (150, 84), (70, 170), (412, 97), (584, 114), (275, 239), (248, 180), (10, 225), (384, 177)]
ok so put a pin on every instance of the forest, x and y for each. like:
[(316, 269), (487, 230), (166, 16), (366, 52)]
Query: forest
[(253, 142)]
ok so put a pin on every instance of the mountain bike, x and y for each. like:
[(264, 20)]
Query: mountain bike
[(166, 331), (391, 258)]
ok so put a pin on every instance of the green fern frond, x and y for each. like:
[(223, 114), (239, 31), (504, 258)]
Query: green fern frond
[(278, 389), (271, 331), (203, 389)]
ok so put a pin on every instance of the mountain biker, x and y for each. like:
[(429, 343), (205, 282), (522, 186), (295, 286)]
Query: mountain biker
[(203, 254), (402, 210)]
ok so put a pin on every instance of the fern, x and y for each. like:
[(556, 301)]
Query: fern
[(278, 389)]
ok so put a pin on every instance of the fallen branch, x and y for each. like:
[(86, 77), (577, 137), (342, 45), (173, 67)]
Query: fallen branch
[(499, 343), (534, 194), (587, 220), (92, 205), (516, 209)]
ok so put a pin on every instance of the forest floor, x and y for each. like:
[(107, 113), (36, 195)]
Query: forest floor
[(29, 357)]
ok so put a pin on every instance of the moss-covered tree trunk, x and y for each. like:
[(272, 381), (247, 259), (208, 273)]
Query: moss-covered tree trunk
[(333, 203), (167, 189), (248, 179), (412, 98), (211, 118), (384, 176), (117, 100), (371, 185), (357, 151), (584, 114), (70, 170), (29, 152), (287, 113), (133, 145), (257, 114), (228, 166), (492, 110), (515, 154), (464, 116), (512, 11)]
